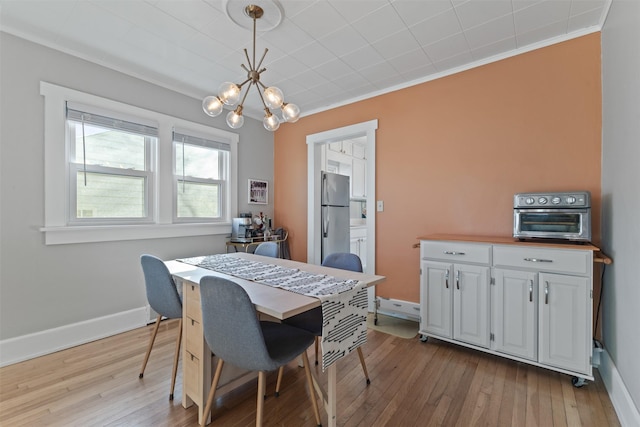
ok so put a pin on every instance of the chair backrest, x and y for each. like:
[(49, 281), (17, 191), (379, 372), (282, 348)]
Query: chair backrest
[(267, 249), (162, 293), (231, 326), (343, 261)]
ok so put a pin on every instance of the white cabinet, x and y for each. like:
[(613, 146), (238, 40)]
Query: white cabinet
[(455, 296), (349, 158), (561, 280), (358, 244), (532, 303)]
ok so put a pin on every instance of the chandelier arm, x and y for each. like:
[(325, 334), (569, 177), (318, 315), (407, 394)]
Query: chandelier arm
[(248, 60), (246, 92), (243, 83), (262, 99), (262, 59)]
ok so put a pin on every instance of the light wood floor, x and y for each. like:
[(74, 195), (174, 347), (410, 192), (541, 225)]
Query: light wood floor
[(413, 384)]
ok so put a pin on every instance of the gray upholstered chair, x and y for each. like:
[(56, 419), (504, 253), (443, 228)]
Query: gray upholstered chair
[(267, 249), (312, 320), (165, 300), (234, 333)]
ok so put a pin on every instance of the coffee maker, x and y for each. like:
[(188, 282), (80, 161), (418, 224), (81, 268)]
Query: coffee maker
[(241, 230)]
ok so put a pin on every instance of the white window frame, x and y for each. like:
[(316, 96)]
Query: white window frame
[(222, 167), (56, 186), (150, 148)]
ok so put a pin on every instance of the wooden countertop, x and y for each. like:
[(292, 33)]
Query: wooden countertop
[(502, 240)]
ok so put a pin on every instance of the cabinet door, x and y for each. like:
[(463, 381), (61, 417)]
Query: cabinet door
[(471, 304), (514, 304), (335, 146), (358, 151), (354, 247), (565, 322), (359, 178), (435, 298), (363, 252)]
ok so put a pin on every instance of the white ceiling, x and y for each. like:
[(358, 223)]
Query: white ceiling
[(324, 53)]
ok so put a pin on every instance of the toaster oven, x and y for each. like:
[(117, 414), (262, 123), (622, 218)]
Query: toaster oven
[(558, 216)]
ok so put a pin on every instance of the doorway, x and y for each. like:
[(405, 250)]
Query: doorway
[(315, 163)]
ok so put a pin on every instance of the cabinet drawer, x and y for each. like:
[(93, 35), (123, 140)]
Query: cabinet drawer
[(191, 302), (456, 251), (194, 337), (553, 260)]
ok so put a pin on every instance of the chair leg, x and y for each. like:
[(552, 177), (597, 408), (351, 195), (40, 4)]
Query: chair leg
[(364, 365), (175, 359), (262, 385), (312, 393), (279, 381), (212, 392), (153, 338), (316, 343)]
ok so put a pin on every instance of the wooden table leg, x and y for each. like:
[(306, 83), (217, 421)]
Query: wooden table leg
[(331, 395)]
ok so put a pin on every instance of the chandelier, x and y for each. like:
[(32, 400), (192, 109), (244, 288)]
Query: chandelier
[(229, 93)]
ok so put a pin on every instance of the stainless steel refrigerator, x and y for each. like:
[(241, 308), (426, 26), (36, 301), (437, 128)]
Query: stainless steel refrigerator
[(335, 213)]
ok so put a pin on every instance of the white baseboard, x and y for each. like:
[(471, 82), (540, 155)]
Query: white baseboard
[(398, 308), (25, 347), (627, 412)]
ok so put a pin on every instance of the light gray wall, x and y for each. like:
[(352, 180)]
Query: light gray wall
[(43, 287), (621, 190)]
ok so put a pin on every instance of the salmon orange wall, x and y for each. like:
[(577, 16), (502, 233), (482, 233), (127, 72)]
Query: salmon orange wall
[(450, 153)]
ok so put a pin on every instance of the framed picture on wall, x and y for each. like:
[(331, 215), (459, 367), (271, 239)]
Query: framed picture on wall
[(258, 191)]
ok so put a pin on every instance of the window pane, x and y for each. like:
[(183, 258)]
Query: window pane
[(199, 162), (110, 196), (108, 147), (196, 200)]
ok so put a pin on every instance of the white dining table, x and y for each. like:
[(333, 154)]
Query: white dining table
[(269, 301)]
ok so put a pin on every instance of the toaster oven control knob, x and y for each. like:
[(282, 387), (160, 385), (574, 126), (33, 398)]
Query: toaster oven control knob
[(555, 200), (529, 200), (542, 200), (571, 200)]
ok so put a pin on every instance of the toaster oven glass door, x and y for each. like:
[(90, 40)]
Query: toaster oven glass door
[(552, 223)]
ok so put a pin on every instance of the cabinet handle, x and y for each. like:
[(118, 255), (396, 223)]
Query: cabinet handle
[(531, 291), (446, 279), (538, 260), (546, 292), (458, 279), (453, 253)]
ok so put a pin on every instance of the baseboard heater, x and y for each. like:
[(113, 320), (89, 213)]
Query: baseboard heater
[(397, 308)]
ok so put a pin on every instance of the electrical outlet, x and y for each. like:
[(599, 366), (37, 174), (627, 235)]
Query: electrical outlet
[(380, 206)]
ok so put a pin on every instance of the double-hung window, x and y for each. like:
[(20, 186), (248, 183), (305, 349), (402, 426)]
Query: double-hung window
[(115, 171), (110, 168), (201, 174)]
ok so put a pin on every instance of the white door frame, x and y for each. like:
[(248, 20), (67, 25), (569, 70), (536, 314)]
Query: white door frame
[(314, 166)]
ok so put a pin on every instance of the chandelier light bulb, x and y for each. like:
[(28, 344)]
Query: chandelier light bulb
[(212, 105), (273, 97), (290, 112), (270, 122), (229, 93), (235, 119)]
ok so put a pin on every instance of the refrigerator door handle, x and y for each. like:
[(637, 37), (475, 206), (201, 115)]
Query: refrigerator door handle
[(325, 222), (325, 196)]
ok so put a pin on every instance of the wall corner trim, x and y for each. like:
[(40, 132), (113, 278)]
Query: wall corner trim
[(25, 347)]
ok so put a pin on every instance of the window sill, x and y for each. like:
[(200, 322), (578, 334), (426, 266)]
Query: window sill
[(110, 233)]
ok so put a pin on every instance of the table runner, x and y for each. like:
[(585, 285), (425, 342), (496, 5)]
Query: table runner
[(344, 302)]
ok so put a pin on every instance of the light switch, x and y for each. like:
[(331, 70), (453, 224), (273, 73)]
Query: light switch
[(380, 206)]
